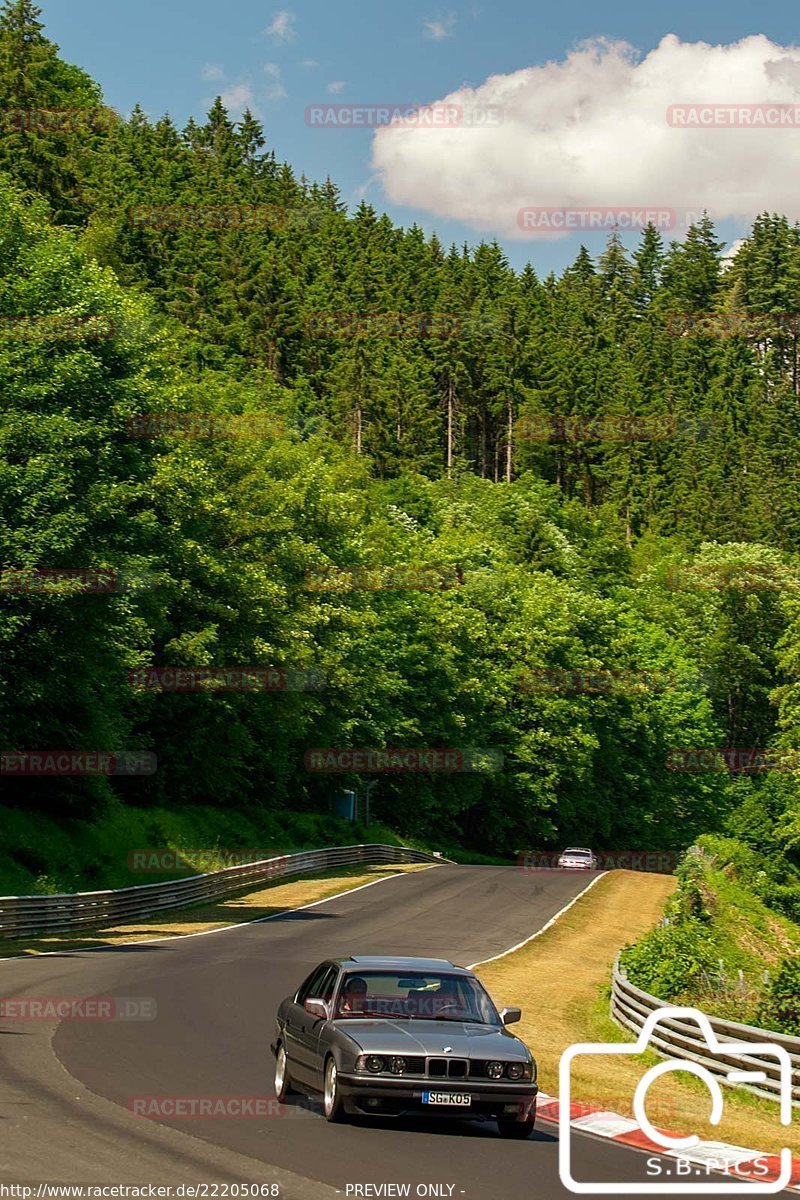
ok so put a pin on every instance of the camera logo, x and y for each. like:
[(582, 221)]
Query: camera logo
[(676, 1147)]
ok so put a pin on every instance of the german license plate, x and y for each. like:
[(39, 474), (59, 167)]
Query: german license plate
[(455, 1099)]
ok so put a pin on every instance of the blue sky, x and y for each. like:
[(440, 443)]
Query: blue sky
[(175, 55)]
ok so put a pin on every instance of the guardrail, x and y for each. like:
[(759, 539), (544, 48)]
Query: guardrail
[(630, 1007), (23, 915)]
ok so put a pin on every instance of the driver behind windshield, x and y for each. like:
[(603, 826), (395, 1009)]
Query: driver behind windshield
[(432, 998), (353, 995)]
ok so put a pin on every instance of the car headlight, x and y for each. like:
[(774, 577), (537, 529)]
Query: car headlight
[(398, 1066), (370, 1062), (516, 1070), (494, 1070)]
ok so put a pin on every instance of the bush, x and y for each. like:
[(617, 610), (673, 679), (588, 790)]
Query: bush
[(670, 959), (780, 1007), (782, 897)]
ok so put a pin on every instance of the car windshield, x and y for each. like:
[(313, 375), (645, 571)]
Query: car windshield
[(402, 995), (579, 853)]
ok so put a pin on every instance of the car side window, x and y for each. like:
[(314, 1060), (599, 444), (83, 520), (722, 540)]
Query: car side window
[(315, 979), (327, 985)]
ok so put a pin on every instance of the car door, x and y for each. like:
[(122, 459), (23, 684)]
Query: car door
[(308, 1062), (294, 1022)]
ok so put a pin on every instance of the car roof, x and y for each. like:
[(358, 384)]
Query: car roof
[(389, 962), (577, 850)]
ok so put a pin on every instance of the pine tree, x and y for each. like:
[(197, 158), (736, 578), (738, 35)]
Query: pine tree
[(49, 110), (648, 263), (693, 270)]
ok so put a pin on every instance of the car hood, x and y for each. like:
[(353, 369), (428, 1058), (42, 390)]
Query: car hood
[(465, 1038)]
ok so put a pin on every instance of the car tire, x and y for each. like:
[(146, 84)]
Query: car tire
[(283, 1080), (518, 1130), (332, 1102)]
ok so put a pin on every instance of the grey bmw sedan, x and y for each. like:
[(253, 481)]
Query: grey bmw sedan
[(404, 1037)]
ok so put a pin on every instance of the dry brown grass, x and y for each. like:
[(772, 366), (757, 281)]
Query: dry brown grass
[(276, 897), (562, 979)]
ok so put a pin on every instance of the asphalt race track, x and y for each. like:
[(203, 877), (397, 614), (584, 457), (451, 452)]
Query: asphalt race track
[(65, 1089)]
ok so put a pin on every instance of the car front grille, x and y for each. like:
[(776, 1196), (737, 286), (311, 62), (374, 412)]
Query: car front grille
[(447, 1068), (415, 1064)]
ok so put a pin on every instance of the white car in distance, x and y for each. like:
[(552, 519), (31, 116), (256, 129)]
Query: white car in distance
[(578, 859)]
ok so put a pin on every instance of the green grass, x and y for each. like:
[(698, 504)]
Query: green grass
[(748, 935), (718, 926), (39, 855)]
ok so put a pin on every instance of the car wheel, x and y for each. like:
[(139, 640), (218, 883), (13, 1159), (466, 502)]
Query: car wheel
[(283, 1080), (332, 1103), (516, 1129)]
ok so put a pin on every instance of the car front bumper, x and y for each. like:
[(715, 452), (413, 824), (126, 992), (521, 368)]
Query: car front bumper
[(403, 1097)]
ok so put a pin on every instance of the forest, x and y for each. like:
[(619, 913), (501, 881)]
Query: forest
[(412, 498)]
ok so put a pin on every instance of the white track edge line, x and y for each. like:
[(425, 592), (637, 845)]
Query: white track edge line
[(482, 962), (179, 937)]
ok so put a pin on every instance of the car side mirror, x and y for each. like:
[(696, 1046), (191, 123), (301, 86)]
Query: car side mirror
[(317, 1008), (510, 1016)]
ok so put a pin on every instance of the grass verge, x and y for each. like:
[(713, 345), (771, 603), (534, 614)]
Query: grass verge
[(276, 897), (562, 982), (42, 855)]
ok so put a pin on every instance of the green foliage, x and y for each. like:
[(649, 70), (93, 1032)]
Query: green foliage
[(722, 927), (670, 960), (45, 855), (200, 266), (780, 1007)]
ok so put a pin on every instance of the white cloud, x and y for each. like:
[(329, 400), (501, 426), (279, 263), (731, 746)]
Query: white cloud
[(730, 254), (592, 130), (336, 86), (281, 27), (276, 90), (440, 29), (308, 62), (212, 71), (238, 97)]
